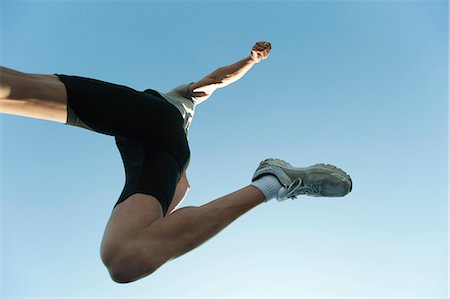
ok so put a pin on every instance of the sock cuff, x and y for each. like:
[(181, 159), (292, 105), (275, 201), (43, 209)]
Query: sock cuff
[(269, 186)]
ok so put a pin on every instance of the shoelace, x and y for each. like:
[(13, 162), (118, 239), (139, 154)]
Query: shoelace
[(296, 188), (289, 191)]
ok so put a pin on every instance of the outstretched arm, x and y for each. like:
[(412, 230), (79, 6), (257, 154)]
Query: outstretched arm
[(226, 75)]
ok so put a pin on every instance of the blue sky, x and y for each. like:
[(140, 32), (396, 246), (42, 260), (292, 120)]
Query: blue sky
[(362, 85)]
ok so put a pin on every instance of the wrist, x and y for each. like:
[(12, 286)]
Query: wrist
[(250, 60)]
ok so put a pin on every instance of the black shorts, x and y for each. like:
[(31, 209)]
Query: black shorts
[(148, 131)]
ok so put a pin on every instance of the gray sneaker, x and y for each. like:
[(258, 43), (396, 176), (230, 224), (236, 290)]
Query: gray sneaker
[(316, 180)]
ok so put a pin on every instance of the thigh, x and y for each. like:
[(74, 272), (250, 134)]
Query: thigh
[(33, 95), (118, 110), (151, 176), (128, 114), (148, 170), (127, 220)]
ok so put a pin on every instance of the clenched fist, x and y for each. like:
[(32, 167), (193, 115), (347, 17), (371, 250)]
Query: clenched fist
[(260, 51)]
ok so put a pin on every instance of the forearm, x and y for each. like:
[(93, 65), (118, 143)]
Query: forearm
[(231, 73), (221, 77)]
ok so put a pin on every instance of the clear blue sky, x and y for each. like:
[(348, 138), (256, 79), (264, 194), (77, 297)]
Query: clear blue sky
[(362, 85)]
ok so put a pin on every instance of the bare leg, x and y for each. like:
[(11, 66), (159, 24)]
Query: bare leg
[(169, 237), (32, 95)]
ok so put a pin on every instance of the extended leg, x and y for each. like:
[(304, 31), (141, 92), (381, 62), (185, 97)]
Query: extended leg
[(32, 95), (166, 238), (138, 240)]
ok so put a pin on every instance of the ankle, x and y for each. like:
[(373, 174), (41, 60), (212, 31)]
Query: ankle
[(268, 185)]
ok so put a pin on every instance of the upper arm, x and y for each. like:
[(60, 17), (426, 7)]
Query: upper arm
[(206, 86)]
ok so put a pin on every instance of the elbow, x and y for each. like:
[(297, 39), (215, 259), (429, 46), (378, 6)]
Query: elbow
[(219, 75), (216, 77)]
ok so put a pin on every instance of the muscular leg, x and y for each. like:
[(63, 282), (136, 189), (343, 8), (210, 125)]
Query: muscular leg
[(32, 95), (138, 240)]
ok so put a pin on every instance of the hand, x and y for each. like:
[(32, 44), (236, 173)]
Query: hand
[(260, 51)]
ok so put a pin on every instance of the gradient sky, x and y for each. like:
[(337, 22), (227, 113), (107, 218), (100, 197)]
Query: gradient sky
[(362, 85)]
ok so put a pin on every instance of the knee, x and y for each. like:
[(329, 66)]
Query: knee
[(13, 84), (16, 85), (121, 274), (5, 86), (127, 265), (5, 91)]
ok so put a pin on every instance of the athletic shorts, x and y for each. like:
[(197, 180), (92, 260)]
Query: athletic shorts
[(148, 131)]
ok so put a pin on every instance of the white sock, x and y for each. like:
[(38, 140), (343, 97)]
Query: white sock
[(269, 186)]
